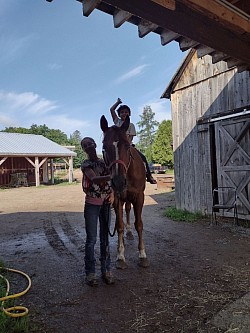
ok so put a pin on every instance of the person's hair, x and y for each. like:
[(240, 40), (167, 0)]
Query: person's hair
[(123, 107), (87, 138)]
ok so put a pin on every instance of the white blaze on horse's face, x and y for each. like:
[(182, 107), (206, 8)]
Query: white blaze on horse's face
[(115, 143)]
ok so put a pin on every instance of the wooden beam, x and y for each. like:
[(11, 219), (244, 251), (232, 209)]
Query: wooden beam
[(203, 50), (169, 4), (233, 62), (168, 36), (3, 160), (219, 56), (243, 68), (88, 6), (145, 27), (119, 17), (189, 23), (187, 43), (241, 7), (243, 111), (221, 12)]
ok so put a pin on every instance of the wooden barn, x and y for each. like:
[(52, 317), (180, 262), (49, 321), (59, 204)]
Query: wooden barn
[(211, 132), (29, 159)]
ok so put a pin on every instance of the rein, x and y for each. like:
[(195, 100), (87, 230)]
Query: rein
[(107, 222), (119, 161)]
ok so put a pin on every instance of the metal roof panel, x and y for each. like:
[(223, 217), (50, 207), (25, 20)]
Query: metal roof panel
[(30, 145)]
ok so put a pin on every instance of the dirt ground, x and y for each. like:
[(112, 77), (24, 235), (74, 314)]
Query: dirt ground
[(198, 279)]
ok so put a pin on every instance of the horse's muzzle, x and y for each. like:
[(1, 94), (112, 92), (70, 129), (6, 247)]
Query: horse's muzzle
[(119, 183)]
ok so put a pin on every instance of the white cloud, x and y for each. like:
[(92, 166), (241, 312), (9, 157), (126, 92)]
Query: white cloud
[(64, 123), (25, 109), (160, 107), (54, 67), (27, 102), (6, 121), (132, 73), (12, 47), (22, 109)]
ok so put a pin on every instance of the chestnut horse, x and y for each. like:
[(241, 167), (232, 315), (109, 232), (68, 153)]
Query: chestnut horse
[(128, 182)]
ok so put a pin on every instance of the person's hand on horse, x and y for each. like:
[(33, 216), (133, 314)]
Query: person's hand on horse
[(110, 198)]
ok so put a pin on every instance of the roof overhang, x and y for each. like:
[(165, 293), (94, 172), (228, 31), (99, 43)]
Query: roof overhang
[(220, 28), (2, 154)]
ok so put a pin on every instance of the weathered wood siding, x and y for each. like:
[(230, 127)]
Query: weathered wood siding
[(203, 89)]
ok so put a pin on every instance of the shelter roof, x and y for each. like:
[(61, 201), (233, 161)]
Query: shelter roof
[(17, 144)]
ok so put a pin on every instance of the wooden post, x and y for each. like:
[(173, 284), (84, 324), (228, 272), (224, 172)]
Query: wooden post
[(37, 171), (52, 171), (70, 169)]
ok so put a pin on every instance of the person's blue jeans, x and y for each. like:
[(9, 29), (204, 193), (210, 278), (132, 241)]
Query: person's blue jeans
[(91, 214)]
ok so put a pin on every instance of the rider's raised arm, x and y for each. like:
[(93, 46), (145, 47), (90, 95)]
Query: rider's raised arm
[(112, 109)]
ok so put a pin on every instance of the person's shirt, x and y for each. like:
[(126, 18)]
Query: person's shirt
[(95, 193), (131, 129)]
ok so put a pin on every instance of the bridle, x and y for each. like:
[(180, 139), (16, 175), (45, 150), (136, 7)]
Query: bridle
[(118, 161)]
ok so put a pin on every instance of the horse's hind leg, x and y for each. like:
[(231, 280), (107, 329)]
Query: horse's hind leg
[(129, 234)]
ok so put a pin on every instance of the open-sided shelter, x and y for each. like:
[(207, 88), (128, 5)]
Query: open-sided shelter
[(29, 158)]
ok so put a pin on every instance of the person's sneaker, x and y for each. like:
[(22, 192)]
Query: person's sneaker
[(108, 278), (151, 180), (91, 280)]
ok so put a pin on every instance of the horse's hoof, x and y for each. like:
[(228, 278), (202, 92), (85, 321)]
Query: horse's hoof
[(143, 262), (129, 235), (121, 264)]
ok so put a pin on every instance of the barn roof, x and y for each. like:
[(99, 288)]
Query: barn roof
[(177, 75), (219, 28), (17, 144)]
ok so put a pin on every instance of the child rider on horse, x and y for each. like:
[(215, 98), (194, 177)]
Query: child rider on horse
[(123, 111), (99, 196)]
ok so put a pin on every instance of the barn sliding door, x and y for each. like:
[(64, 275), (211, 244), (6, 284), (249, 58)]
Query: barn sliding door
[(232, 141)]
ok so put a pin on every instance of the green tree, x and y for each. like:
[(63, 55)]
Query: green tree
[(55, 135), (21, 130), (162, 150), (147, 132), (75, 140)]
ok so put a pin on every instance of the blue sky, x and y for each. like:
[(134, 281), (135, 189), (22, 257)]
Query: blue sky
[(65, 70)]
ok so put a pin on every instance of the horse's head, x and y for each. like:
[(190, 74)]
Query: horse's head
[(116, 152)]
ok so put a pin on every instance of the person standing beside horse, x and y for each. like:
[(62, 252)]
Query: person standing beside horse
[(99, 196), (118, 117)]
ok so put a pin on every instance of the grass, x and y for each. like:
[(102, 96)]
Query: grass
[(10, 324), (244, 223), (182, 215)]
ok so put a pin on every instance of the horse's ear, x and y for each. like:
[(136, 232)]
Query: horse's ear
[(125, 124), (104, 124)]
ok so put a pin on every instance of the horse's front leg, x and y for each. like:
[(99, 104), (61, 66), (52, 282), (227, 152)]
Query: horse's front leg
[(120, 261), (143, 260), (129, 234)]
